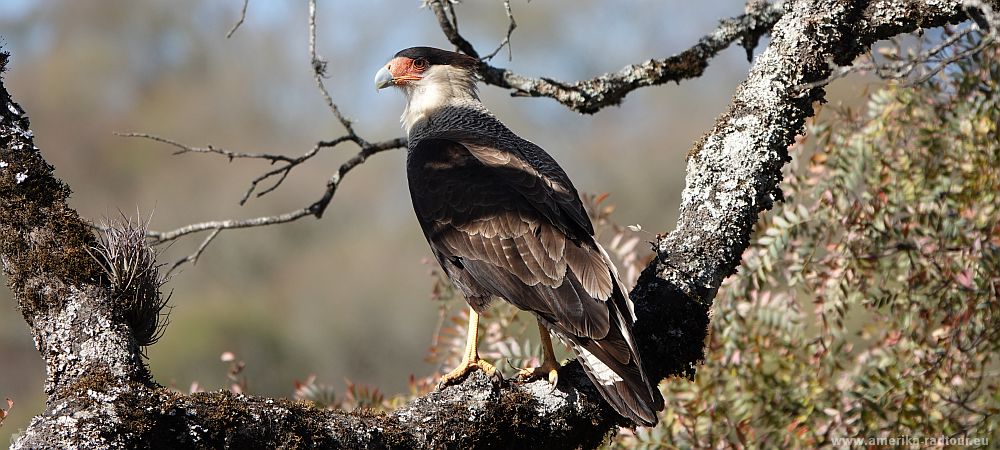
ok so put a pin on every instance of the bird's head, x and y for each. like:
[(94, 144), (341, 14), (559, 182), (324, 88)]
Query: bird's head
[(430, 78)]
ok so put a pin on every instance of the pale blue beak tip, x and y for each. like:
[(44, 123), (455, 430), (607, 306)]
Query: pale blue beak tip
[(383, 78)]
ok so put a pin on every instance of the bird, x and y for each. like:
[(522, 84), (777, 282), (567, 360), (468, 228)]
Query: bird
[(504, 221)]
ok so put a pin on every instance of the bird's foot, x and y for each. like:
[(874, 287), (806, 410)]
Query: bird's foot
[(464, 368), (548, 370)]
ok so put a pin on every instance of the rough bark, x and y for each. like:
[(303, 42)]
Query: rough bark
[(100, 395), (590, 96)]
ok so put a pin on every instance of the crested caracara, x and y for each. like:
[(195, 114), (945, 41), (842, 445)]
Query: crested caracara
[(504, 220)]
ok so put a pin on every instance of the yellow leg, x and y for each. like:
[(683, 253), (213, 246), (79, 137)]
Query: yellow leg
[(470, 360), (549, 367)]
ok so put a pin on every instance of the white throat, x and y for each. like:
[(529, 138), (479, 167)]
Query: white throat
[(440, 86)]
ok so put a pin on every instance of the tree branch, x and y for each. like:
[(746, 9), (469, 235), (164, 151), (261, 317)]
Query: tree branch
[(448, 22), (243, 16), (281, 172), (590, 96), (80, 330), (100, 394), (316, 208), (734, 171), (511, 26)]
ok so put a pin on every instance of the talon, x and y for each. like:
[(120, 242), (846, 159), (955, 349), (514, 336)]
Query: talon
[(471, 359), (464, 369), (456, 374), (487, 368), (549, 368)]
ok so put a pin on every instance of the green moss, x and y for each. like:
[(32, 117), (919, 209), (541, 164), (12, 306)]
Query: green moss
[(40, 236), (161, 418), (94, 380)]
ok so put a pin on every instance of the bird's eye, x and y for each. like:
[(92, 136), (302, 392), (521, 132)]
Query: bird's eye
[(420, 64)]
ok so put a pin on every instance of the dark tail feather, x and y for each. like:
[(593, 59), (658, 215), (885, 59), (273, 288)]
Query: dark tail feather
[(613, 365), (622, 386)]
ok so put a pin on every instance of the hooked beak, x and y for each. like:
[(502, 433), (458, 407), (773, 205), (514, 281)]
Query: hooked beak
[(383, 78)]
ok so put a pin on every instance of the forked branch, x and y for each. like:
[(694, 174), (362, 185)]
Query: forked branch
[(592, 95), (285, 165)]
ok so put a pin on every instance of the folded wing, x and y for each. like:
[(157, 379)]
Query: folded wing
[(508, 223)]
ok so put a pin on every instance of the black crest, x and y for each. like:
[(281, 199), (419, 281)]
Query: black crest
[(440, 57)]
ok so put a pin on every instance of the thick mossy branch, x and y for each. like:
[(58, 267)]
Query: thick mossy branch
[(59, 287), (39, 234), (480, 413)]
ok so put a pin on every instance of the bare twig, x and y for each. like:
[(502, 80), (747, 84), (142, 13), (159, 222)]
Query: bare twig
[(955, 57), (283, 171), (590, 96), (160, 237), (319, 72), (184, 148), (362, 156), (315, 209), (243, 16), (288, 163), (193, 258), (511, 26), (929, 60), (280, 173), (449, 25)]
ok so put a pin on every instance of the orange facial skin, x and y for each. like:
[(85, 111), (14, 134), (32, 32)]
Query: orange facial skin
[(404, 69)]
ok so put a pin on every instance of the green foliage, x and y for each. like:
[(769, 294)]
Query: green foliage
[(867, 305)]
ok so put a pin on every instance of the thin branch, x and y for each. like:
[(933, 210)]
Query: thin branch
[(362, 156), (319, 72), (511, 26), (164, 236), (315, 209), (283, 171), (184, 148), (449, 25), (590, 96), (929, 60), (955, 57), (280, 173), (243, 16), (193, 258)]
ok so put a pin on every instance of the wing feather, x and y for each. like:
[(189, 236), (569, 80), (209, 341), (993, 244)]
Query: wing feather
[(591, 268), (524, 248), (504, 226), (554, 242)]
